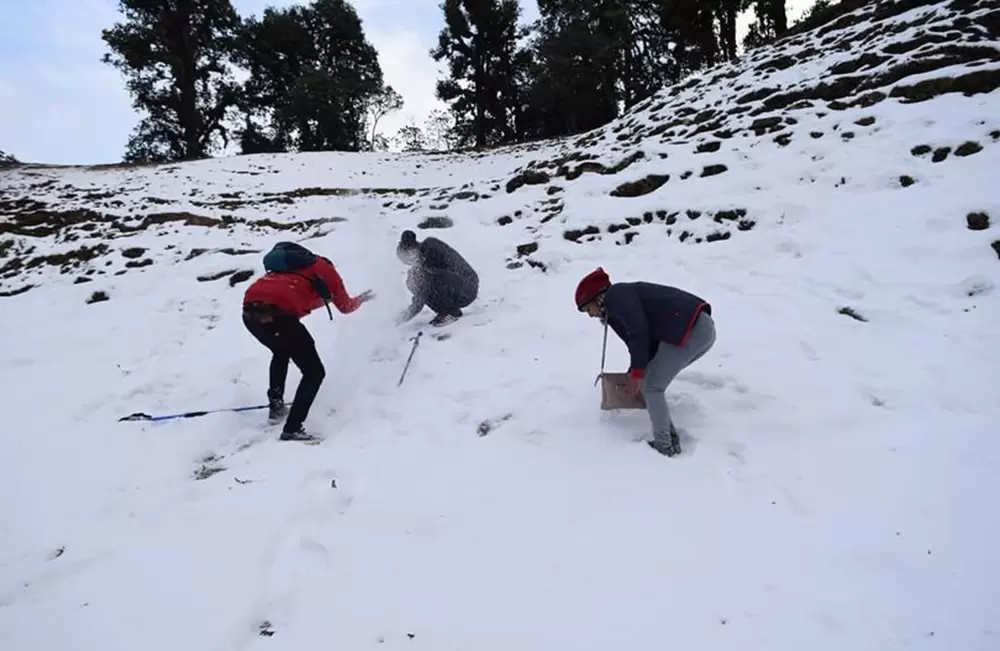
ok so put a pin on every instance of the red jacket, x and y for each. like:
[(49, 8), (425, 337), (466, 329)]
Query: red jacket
[(293, 291)]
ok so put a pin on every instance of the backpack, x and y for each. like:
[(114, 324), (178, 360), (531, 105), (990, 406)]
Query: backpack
[(288, 257)]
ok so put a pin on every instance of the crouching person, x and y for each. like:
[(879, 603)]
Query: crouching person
[(438, 278), (666, 330), (296, 283)]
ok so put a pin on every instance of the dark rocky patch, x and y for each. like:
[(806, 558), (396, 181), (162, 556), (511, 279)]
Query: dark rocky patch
[(865, 122), (865, 61), (815, 134), (940, 154), (847, 135), (16, 292), (527, 177), (641, 187), (553, 189), (133, 252), (767, 125), (906, 181), (713, 170), (436, 222), (718, 236), (693, 214), (240, 277), (851, 312), (784, 139), (98, 297), (921, 150), (972, 83), (138, 264), (204, 278), (996, 247), (503, 221), (968, 148), (977, 221), (524, 250), (708, 147), (576, 234), (82, 279), (729, 215)]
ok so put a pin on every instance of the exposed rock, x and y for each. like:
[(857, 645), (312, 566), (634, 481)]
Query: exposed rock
[(526, 249), (940, 154), (134, 252), (906, 181), (527, 177), (640, 187), (436, 222), (968, 148), (713, 170), (240, 277), (708, 147), (978, 221), (921, 150)]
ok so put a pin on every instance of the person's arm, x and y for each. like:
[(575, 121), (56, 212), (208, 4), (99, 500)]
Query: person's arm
[(623, 305), (415, 285), (344, 302)]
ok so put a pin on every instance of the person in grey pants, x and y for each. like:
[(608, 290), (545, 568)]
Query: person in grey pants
[(666, 330)]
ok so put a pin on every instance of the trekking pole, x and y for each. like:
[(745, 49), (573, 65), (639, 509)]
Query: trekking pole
[(190, 414), (416, 341), (604, 353)]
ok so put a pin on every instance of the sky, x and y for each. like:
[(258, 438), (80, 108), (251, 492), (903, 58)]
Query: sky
[(60, 104)]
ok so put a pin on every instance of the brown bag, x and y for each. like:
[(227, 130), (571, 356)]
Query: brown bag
[(614, 386)]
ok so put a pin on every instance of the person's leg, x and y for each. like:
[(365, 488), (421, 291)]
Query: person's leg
[(267, 331), (303, 353), (445, 296), (664, 367)]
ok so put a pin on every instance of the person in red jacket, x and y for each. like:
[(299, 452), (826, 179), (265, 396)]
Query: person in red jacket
[(272, 308)]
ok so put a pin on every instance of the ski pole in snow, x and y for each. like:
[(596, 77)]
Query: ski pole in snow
[(416, 341), (604, 354), (189, 414)]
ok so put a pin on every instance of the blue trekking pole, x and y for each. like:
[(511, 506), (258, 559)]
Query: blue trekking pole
[(189, 414)]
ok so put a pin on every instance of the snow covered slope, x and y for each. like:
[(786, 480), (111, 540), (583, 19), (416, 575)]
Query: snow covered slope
[(832, 196)]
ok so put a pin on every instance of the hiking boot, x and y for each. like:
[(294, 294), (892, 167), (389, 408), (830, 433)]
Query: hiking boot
[(299, 434), (444, 319), (669, 446), (276, 410)]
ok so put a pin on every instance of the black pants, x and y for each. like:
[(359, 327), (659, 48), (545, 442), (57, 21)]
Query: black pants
[(288, 340)]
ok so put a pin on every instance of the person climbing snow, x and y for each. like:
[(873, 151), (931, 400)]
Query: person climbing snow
[(666, 330), (438, 278), (297, 282)]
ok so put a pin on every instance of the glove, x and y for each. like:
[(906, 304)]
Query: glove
[(366, 296)]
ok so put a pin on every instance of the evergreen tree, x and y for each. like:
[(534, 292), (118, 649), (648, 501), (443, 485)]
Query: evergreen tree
[(174, 55), (771, 21), (7, 160), (313, 75), (480, 42)]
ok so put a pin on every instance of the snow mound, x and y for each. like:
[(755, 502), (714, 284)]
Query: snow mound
[(832, 196)]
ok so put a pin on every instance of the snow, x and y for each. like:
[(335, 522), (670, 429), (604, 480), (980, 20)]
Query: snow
[(837, 489)]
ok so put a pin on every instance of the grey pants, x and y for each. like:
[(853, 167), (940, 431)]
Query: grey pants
[(664, 367)]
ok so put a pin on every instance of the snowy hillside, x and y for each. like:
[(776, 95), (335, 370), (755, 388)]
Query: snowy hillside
[(832, 196)]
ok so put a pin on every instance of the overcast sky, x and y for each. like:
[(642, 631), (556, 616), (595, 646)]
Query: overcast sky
[(60, 104)]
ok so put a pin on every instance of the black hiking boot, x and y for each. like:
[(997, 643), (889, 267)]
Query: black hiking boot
[(299, 434), (444, 319), (670, 447), (276, 411)]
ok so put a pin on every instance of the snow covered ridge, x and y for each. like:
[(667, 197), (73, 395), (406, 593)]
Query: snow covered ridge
[(911, 82)]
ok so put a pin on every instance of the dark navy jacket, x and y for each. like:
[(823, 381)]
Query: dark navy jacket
[(644, 314)]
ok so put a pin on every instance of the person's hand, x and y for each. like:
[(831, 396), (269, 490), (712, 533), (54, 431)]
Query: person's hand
[(634, 385), (366, 296)]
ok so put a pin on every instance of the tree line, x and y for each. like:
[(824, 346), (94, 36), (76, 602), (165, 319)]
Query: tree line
[(305, 77)]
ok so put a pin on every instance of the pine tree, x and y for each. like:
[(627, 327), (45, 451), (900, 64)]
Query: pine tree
[(174, 55), (313, 75), (480, 42)]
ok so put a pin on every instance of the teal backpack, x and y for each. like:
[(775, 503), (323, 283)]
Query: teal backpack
[(289, 257)]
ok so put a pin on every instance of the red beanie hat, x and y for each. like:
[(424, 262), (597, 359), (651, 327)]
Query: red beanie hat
[(591, 286)]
